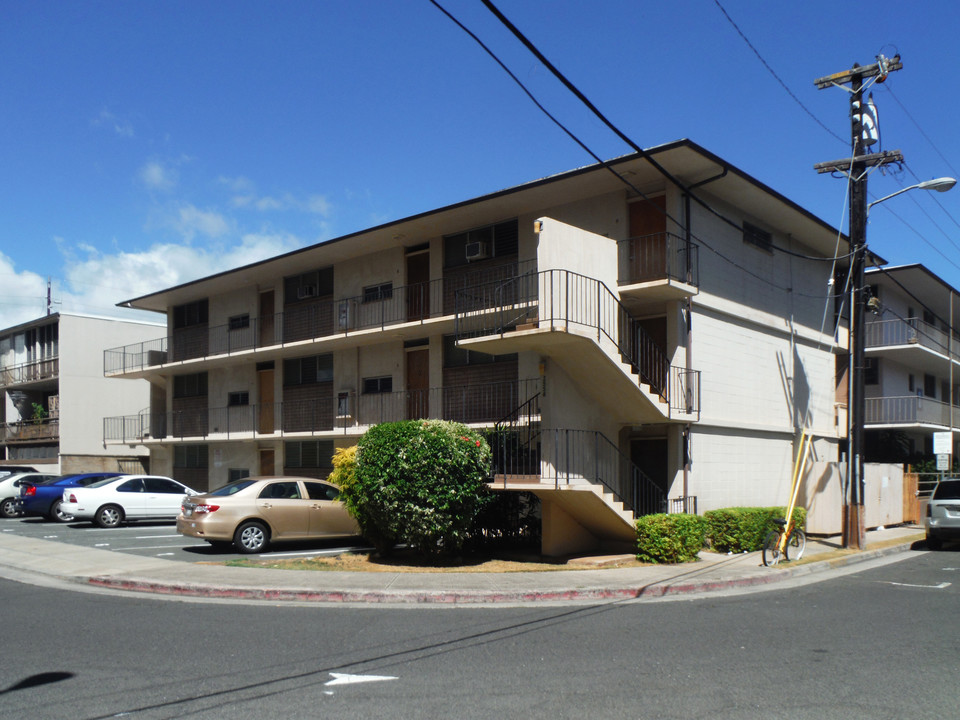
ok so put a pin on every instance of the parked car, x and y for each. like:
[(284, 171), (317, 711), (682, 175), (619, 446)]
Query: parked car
[(942, 521), (44, 499), (13, 469), (10, 490), (111, 501), (254, 512)]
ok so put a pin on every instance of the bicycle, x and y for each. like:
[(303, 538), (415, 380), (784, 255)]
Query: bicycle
[(786, 541)]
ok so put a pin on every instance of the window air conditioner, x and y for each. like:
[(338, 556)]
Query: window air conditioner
[(477, 251), (343, 316), (306, 291)]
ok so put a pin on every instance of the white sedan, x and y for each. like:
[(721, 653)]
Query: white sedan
[(114, 500)]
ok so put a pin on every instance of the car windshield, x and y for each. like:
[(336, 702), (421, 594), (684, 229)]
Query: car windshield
[(947, 490), (232, 488), (101, 483)]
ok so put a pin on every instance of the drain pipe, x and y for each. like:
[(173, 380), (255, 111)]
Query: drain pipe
[(688, 237)]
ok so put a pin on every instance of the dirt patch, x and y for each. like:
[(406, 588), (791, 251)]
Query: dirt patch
[(411, 563)]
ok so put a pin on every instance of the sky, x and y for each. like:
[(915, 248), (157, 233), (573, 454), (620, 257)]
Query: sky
[(145, 144)]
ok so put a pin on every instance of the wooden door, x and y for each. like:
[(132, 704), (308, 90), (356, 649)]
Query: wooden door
[(267, 460), (418, 384), (648, 240), (265, 425), (267, 326), (418, 286)]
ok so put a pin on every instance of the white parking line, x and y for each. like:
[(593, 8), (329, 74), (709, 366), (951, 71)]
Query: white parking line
[(941, 586), (102, 545), (155, 537), (337, 551), (155, 547)]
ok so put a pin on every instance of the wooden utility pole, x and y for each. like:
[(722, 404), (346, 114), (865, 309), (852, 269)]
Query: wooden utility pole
[(863, 132)]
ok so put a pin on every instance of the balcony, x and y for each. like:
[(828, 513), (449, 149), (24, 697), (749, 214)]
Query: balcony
[(912, 343), (29, 431), (662, 266), (338, 414), (909, 410), (30, 372), (360, 318)]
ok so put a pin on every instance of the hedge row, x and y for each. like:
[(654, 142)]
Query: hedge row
[(677, 538)]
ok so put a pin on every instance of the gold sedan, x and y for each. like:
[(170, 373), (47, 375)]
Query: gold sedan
[(254, 512)]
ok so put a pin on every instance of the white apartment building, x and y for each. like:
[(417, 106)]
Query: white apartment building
[(912, 376), (633, 347), (55, 395)]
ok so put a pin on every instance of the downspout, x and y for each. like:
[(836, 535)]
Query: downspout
[(688, 237)]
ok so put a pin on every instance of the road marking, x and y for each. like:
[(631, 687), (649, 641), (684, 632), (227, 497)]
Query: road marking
[(102, 545), (335, 551), (155, 537), (156, 547), (50, 537), (941, 586), (164, 554), (347, 679)]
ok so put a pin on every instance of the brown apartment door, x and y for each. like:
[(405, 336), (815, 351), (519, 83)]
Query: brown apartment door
[(267, 460), (648, 240), (418, 286), (418, 384), (267, 330), (265, 426)]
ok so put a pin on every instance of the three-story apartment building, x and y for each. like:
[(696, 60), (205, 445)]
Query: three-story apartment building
[(634, 344)]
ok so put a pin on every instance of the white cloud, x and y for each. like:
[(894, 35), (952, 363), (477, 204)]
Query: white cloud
[(120, 126), (23, 294), (156, 176), (192, 221), (246, 197)]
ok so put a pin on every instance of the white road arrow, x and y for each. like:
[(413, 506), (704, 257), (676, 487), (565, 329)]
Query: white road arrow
[(345, 679)]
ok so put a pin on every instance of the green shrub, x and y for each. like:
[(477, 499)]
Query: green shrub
[(673, 538), (743, 529), (419, 482)]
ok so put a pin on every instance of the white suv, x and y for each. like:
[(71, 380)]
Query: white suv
[(943, 514)]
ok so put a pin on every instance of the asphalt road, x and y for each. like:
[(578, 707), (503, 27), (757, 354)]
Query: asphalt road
[(156, 539), (876, 643)]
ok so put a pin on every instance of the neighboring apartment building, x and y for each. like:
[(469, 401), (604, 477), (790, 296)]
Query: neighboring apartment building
[(55, 395), (912, 374), (626, 348)]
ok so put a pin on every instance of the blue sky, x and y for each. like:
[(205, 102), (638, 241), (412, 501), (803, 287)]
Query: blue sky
[(145, 144)]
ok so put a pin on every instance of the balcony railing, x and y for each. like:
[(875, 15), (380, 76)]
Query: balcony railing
[(30, 431), (310, 320), (570, 300), (482, 404), (909, 410), (661, 256), (30, 372), (886, 333)]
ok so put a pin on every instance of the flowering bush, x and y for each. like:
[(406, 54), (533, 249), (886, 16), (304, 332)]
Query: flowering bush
[(419, 482)]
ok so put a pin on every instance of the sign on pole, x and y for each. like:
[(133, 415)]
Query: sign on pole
[(942, 443)]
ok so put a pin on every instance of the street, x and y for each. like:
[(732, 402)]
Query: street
[(871, 643)]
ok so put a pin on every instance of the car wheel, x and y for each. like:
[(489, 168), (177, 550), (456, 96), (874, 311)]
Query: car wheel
[(934, 543), (57, 515), (250, 537), (8, 508), (109, 516)]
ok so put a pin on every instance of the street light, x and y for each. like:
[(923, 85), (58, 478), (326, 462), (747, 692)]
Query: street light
[(853, 521), (939, 184)]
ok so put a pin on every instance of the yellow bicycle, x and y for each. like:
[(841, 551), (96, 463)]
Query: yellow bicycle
[(788, 543)]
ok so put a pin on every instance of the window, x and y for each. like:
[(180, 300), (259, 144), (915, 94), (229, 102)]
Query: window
[(236, 399), (309, 285), (500, 240), (190, 456), (930, 386), (285, 490), (755, 236), (131, 486), (239, 322), (308, 454), (372, 386), (321, 491), (911, 383), (871, 371), (194, 313), (384, 291), (236, 474), (455, 356), (185, 386), (308, 370), (163, 486)]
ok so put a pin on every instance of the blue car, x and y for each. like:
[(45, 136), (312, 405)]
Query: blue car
[(44, 498)]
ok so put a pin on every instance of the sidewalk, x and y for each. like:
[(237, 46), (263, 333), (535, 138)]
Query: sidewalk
[(108, 569)]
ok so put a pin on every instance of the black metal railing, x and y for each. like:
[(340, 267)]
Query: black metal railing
[(481, 403), (561, 298), (660, 256)]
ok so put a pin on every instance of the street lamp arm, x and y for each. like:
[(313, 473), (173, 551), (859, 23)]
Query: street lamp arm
[(939, 184)]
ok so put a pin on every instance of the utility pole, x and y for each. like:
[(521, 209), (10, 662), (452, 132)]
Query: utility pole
[(863, 132)]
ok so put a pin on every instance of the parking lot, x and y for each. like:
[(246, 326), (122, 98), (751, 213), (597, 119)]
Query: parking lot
[(157, 539)]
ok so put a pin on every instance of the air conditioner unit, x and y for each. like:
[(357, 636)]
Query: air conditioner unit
[(343, 316), (477, 251), (306, 291)]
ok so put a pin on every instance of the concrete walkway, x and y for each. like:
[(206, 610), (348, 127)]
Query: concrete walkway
[(116, 570)]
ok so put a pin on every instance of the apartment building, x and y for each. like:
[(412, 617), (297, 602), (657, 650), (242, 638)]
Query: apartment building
[(633, 343), (55, 395), (912, 363)]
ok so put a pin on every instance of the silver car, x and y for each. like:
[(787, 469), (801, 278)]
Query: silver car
[(942, 521)]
